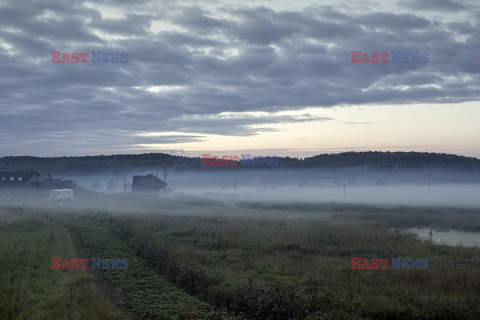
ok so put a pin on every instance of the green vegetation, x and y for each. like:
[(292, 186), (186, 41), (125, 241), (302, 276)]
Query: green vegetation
[(148, 294), (266, 261), (30, 289), (299, 267), (381, 217)]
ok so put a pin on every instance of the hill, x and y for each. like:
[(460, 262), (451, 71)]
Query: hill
[(120, 162)]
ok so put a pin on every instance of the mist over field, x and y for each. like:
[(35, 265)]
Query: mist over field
[(345, 185)]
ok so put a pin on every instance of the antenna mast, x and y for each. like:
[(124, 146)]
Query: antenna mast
[(124, 177), (164, 176)]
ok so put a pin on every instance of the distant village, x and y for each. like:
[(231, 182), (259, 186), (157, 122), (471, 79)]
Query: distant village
[(33, 183)]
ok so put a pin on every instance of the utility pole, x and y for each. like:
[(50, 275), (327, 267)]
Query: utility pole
[(429, 183), (165, 175), (124, 177), (164, 184)]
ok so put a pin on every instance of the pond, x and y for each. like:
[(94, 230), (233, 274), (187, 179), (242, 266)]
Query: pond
[(451, 237)]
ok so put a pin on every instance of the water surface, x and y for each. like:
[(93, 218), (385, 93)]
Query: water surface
[(451, 237)]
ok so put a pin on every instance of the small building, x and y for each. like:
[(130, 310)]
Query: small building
[(32, 180), (148, 183), (20, 179), (152, 186), (60, 195)]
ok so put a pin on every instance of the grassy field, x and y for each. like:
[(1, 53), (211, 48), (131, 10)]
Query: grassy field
[(148, 294), (255, 262), (297, 267), (29, 289)]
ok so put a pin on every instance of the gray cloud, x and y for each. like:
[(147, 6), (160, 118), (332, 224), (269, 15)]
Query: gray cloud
[(212, 59), (435, 5)]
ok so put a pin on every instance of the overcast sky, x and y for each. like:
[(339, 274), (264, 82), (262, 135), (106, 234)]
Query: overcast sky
[(264, 77)]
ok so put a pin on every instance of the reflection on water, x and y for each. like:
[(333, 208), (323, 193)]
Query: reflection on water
[(451, 238)]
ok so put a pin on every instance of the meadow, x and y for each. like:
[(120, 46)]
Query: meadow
[(255, 261), (29, 289)]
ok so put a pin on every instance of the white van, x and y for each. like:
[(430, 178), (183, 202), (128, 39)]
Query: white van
[(60, 195)]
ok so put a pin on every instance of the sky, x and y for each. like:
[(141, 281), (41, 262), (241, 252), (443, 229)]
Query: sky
[(228, 77)]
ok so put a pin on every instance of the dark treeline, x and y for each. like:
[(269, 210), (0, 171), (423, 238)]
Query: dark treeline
[(118, 163), (392, 160), (101, 163)]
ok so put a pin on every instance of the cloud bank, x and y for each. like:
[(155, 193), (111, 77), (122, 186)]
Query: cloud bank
[(204, 67)]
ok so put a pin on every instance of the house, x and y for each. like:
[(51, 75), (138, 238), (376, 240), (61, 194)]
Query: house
[(32, 179), (148, 183), (50, 183), (20, 179), (152, 187)]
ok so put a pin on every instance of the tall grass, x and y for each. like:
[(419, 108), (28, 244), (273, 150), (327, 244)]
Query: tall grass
[(297, 268), (30, 289)]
